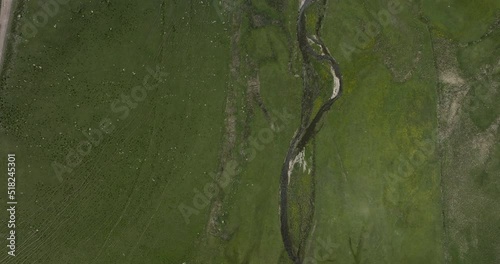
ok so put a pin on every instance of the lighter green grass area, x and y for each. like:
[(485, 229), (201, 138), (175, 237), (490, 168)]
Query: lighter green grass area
[(378, 170)]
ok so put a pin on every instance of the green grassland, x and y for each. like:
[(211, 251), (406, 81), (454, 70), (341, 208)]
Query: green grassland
[(379, 190), (401, 176), (120, 204)]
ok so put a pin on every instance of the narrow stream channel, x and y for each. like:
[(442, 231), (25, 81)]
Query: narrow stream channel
[(308, 128)]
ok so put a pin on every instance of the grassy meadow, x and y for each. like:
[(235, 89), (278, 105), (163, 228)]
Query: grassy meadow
[(168, 93)]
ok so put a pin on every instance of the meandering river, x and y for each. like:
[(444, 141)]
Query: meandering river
[(308, 127)]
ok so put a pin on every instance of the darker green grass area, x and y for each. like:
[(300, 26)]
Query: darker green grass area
[(120, 202), (464, 21)]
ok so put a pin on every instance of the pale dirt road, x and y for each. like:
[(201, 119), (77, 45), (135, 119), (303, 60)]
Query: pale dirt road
[(5, 14)]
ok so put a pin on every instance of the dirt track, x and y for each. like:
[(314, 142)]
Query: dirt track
[(5, 14)]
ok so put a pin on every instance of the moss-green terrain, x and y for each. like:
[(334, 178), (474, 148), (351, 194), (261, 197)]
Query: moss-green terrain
[(189, 108)]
